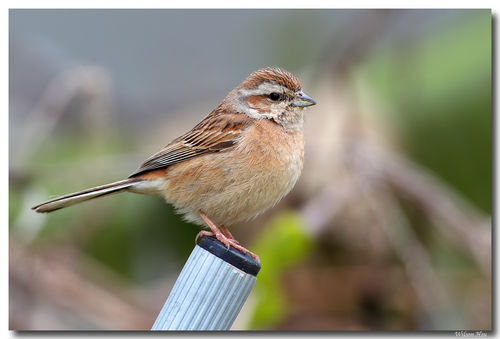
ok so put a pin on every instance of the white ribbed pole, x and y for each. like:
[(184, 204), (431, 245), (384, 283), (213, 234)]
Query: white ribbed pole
[(210, 290)]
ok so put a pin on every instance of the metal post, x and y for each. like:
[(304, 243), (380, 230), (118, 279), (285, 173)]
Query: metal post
[(210, 290)]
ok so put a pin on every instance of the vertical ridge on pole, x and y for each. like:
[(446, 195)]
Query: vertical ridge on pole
[(210, 290)]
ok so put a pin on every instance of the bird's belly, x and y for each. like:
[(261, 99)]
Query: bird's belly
[(233, 187), (248, 192)]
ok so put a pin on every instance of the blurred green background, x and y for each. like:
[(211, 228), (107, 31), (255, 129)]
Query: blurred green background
[(389, 227)]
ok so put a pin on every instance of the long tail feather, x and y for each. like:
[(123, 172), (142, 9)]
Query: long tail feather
[(91, 193)]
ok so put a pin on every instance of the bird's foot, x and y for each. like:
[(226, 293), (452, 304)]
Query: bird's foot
[(224, 236), (228, 234)]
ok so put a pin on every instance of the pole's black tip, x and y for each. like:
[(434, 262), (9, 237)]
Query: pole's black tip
[(232, 256)]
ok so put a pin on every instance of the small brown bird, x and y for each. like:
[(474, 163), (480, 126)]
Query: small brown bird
[(236, 163)]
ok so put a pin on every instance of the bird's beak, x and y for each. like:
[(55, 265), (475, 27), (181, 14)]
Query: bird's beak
[(303, 100)]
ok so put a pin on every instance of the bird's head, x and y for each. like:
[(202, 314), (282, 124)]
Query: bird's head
[(271, 93)]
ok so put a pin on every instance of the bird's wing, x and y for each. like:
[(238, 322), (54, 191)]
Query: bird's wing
[(215, 133)]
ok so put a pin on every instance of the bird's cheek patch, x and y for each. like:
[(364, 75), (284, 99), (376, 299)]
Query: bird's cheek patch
[(259, 102)]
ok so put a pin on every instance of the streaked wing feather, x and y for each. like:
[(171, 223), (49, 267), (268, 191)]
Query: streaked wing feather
[(210, 135)]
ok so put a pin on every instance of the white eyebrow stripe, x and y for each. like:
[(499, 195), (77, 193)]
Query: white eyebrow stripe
[(263, 88)]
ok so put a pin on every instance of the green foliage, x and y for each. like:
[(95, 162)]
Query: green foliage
[(141, 238), (282, 244), (440, 92), (15, 205)]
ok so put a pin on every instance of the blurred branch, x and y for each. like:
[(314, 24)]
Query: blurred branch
[(423, 277), (320, 210), (377, 177), (458, 221), (91, 82), (353, 42), (363, 182), (364, 158), (62, 287)]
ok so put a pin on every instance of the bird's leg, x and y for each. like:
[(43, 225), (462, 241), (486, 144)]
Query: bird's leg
[(226, 239), (228, 234)]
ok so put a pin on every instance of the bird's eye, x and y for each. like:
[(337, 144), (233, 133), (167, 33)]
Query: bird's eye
[(274, 96)]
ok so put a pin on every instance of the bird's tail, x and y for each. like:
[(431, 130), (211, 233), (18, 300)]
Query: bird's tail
[(91, 193)]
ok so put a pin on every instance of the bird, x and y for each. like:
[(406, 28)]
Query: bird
[(239, 161)]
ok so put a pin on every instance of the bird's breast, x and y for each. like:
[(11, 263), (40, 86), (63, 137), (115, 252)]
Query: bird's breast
[(240, 183)]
